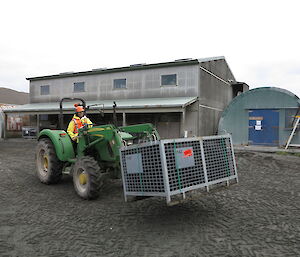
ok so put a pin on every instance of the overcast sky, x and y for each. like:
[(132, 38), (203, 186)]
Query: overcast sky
[(259, 39)]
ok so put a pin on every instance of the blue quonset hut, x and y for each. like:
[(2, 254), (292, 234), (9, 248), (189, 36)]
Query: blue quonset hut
[(261, 116)]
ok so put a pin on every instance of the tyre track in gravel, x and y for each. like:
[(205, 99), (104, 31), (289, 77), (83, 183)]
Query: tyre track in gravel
[(257, 217)]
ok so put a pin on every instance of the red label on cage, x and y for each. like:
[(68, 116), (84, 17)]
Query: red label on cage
[(188, 153)]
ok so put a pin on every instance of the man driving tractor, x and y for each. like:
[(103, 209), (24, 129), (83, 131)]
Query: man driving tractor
[(77, 122)]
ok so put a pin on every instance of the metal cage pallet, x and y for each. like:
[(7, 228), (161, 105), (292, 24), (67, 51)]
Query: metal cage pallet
[(176, 166)]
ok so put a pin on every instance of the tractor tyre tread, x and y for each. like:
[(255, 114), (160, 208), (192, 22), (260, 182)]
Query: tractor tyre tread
[(89, 164), (55, 172)]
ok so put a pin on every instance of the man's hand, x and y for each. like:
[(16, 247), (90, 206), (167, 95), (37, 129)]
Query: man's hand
[(74, 138)]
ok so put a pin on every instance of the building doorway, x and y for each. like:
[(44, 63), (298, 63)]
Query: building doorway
[(264, 127)]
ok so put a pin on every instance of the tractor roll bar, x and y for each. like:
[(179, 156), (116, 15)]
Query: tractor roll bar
[(61, 117)]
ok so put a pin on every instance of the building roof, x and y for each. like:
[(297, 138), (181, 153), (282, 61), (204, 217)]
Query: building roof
[(291, 100), (180, 62), (174, 102), (235, 118)]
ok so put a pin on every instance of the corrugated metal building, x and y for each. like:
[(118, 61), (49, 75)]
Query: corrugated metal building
[(183, 95), (261, 116)]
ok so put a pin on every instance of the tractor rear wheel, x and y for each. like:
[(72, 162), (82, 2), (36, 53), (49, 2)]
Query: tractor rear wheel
[(87, 177), (48, 166)]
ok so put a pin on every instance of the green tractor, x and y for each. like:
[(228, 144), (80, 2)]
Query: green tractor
[(95, 157)]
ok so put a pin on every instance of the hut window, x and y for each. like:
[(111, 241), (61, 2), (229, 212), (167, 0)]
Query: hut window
[(78, 87), (119, 83), (45, 90), (169, 80), (290, 117)]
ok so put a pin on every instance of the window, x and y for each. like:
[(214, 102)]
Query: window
[(290, 117), (119, 83), (79, 87), (45, 90), (169, 80)]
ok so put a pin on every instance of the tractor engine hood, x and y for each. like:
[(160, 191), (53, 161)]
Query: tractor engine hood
[(125, 136)]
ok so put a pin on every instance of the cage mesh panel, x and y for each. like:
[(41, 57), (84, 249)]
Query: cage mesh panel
[(151, 180), (217, 155), (189, 176), (218, 158)]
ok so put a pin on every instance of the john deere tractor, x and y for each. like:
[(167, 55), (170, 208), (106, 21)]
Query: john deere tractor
[(95, 156)]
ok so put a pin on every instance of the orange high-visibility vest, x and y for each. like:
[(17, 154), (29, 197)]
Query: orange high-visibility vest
[(78, 124)]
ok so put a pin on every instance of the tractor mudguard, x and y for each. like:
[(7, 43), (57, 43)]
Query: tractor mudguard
[(61, 141)]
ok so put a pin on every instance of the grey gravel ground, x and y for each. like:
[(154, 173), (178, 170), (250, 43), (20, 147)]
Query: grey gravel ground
[(258, 217)]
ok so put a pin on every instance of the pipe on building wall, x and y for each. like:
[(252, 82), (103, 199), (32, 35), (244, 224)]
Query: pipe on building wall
[(182, 123), (214, 75), (209, 107), (124, 119), (37, 123)]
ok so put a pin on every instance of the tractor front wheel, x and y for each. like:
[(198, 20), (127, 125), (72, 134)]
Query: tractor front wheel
[(87, 178), (48, 166)]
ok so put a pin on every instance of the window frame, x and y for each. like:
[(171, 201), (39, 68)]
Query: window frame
[(74, 91), (119, 88), (45, 86), (169, 85)]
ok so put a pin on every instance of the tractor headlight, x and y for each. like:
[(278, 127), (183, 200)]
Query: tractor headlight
[(129, 142)]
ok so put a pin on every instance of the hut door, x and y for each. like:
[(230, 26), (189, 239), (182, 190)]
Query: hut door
[(263, 127)]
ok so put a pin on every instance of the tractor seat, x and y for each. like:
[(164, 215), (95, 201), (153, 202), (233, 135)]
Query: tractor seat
[(74, 144)]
